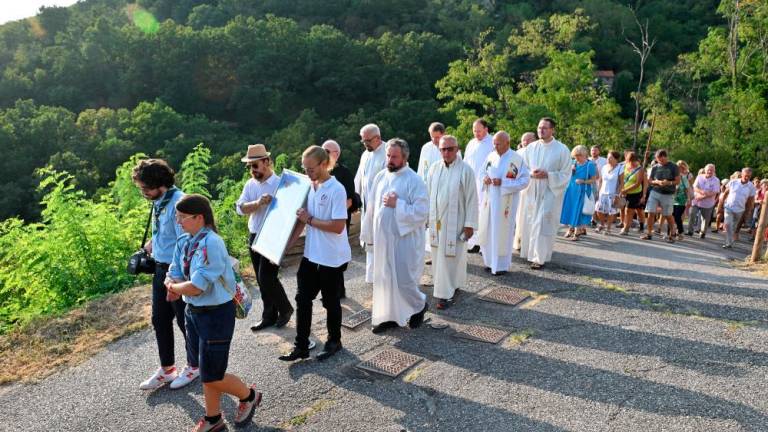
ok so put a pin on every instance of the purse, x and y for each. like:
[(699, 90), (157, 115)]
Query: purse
[(141, 261), (619, 202), (588, 208), (241, 295)]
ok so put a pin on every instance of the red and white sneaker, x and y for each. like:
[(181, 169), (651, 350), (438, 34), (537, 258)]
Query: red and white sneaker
[(159, 379), (245, 410), (186, 376)]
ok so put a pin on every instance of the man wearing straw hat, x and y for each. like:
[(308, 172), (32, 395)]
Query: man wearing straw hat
[(254, 202)]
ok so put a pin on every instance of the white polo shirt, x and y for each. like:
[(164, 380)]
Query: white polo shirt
[(252, 190), (328, 202), (738, 195)]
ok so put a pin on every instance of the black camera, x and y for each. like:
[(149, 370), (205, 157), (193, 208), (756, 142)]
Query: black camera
[(141, 262)]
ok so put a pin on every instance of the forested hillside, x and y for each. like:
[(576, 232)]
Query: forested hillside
[(83, 89), (160, 76)]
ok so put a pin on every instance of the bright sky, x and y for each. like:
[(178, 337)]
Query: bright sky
[(11, 10)]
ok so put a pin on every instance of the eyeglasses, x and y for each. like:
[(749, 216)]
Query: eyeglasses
[(183, 218), (367, 141), (330, 151), (448, 149)]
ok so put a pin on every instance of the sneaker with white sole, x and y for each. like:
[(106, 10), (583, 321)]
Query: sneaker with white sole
[(159, 379), (187, 375), (203, 426), (245, 410)]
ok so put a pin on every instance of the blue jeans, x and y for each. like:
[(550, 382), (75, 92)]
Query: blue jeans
[(209, 334)]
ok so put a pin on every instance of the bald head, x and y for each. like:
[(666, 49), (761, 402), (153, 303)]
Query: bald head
[(334, 151), (526, 139), (501, 142)]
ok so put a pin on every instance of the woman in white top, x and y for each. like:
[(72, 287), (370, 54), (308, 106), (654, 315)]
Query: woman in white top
[(611, 184)]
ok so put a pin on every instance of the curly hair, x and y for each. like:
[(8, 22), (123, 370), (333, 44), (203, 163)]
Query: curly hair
[(154, 173)]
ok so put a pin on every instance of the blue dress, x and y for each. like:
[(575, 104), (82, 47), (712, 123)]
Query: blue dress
[(574, 195)]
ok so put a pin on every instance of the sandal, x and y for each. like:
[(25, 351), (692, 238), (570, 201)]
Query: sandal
[(582, 232), (624, 232), (571, 233), (574, 238), (645, 237)]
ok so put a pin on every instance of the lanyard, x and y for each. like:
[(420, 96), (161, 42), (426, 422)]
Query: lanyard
[(158, 210), (188, 253)]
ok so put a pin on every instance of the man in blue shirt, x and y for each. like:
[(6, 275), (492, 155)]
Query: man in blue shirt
[(155, 179)]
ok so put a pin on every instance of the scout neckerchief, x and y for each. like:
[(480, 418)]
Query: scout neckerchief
[(159, 208), (194, 242)]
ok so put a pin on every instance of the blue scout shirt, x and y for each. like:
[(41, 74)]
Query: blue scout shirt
[(208, 261), (165, 230)]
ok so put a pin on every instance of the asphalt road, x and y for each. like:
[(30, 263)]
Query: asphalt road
[(622, 335)]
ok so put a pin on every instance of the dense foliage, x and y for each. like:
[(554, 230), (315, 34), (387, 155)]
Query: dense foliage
[(87, 90)]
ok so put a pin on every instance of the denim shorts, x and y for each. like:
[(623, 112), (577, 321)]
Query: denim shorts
[(665, 201), (209, 334)]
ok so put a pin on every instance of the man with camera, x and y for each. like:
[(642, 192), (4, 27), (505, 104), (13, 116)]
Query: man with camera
[(155, 179)]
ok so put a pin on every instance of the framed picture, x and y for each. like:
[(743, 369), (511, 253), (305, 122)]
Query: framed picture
[(275, 232)]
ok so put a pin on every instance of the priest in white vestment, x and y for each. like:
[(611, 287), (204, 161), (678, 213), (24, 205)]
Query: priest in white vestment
[(372, 161), (542, 202), (398, 213), (474, 155), (430, 153), (525, 139), (452, 220), (505, 176)]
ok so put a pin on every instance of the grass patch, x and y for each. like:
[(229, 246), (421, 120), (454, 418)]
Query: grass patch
[(301, 419), (45, 345), (415, 373), (607, 285), (517, 338), (732, 325), (535, 299)]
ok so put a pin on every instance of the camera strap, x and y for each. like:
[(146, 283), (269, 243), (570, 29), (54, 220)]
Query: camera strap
[(146, 229)]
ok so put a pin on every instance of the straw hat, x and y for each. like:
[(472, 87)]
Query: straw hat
[(255, 152)]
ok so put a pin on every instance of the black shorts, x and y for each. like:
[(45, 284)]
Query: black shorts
[(633, 200)]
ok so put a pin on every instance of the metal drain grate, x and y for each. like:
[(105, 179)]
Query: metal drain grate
[(390, 362), (508, 296), (357, 318), (482, 333)]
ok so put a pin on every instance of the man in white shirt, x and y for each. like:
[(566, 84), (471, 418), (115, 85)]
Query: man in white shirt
[(254, 201), (372, 161), (549, 162), (398, 212), (326, 254), (504, 177), (452, 220), (476, 151), (525, 140), (739, 196)]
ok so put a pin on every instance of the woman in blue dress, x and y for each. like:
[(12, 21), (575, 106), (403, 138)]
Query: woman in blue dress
[(580, 186)]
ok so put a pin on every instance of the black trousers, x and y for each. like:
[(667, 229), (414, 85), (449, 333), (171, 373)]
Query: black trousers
[(272, 292), (312, 279), (677, 212), (163, 313)]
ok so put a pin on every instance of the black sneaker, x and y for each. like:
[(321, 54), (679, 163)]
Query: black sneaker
[(418, 317), (386, 325), (296, 354)]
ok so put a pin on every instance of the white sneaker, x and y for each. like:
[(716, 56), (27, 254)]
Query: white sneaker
[(186, 376), (159, 379)]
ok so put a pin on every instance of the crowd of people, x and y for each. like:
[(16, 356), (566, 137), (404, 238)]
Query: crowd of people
[(492, 200), (665, 192)]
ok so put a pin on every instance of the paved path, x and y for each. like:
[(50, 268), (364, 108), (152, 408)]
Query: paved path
[(624, 335)]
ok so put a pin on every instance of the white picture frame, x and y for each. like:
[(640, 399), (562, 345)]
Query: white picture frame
[(275, 232)]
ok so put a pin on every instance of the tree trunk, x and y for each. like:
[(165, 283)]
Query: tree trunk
[(760, 233)]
